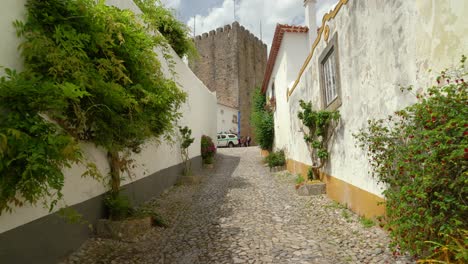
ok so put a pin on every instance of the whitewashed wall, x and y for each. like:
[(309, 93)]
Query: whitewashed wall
[(288, 62), (199, 113), (381, 45), (226, 117)]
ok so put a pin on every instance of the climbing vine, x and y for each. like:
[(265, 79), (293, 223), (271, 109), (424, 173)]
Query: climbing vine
[(91, 74), (320, 128), (32, 150), (262, 121)]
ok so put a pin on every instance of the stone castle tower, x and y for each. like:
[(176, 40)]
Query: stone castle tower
[(232, 62)]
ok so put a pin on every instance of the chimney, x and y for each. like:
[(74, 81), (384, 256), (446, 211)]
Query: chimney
[(310, 17)]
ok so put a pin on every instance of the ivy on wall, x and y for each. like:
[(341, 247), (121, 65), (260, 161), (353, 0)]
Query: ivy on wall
[(92, 70), (320, 126), (262, 121)]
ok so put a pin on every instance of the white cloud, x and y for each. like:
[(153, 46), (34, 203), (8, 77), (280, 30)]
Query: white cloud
[(323, 7), (171, 3), (249, 13)]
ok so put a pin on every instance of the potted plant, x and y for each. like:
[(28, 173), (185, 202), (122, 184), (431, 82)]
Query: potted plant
[(311, 186), (208, 151)]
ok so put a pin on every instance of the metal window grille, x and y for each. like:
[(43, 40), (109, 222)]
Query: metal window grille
[(329, 73)]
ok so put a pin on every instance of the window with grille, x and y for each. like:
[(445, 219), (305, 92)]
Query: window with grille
[(330, 80), (329, 75)]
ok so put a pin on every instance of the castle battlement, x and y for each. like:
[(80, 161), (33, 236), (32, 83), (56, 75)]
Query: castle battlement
[(232, 62), (226, 30)]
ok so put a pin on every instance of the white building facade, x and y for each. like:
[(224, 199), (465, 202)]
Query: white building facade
[(286, 56), (228, 119), (356, 62)]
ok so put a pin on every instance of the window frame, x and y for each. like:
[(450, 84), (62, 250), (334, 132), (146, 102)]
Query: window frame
[(331, 48)]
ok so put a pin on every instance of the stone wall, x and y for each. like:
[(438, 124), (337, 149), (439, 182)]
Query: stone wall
[(232, 62)]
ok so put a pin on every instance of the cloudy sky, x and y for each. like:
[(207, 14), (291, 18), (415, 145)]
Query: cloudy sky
[(211, 14)]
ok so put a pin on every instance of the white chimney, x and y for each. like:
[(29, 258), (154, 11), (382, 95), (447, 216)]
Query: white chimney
[(310, 18)]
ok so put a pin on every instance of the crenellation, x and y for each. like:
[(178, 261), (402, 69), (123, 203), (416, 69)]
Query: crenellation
[(232, 63)]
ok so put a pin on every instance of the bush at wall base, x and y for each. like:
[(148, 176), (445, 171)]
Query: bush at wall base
[(125, 221), (421, 155), (276, 159), (208, 150)]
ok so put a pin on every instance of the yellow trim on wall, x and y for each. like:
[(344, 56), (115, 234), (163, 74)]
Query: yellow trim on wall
[(327, 17), (358, 200)]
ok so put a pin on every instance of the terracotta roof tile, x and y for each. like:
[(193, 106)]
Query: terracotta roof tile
[(275, 46)]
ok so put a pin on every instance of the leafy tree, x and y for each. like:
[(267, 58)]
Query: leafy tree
[(33, 151), (161, 19), (186, 141), (92, 70)]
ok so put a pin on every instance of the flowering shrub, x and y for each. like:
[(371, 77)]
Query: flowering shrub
[(421, 155), (208, 149)]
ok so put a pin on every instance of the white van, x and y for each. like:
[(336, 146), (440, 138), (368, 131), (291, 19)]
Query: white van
[(227, 140)]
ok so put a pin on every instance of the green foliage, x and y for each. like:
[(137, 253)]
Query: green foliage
[(156, 218), (320, 125), (366, 222), (345, 213), (262, 121), (276, 159), (33, 151), (176, 33), (118, 206), (105, 60), (91, 73), (310, 174), (72, 216), (299, 179), (208, 149), (421, 155), (186, 141), (455, 250)]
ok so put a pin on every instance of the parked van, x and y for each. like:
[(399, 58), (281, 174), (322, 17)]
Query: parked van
[(227, 140)]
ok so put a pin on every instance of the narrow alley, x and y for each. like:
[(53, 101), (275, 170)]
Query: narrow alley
[(241, 213)]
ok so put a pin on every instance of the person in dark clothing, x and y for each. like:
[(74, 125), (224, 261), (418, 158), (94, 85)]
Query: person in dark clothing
[(248, 141)]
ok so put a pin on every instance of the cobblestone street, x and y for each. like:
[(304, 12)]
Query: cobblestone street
[(240, 213)]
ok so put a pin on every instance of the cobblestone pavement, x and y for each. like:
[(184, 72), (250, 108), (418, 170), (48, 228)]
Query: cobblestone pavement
[(240, 213)]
